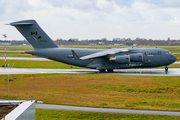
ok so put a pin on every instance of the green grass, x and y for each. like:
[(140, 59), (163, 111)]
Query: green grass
[(17, 48), (97, 90), (12, 53), (16, 54), (170, 48), (38, 64), (79, 115), (138, 89), (177, 55)]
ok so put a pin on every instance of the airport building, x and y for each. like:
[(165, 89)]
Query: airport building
[(3, 43)]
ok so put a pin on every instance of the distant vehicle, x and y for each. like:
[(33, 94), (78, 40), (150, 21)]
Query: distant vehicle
[(100, 59)]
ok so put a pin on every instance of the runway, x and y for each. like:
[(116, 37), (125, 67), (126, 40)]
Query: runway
[(90, 109), (41, 105), (142, 72)]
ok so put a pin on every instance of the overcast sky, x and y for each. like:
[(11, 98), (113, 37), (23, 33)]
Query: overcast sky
[(94, 19)]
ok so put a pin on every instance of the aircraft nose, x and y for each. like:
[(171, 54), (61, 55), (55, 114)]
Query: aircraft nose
[(174, 57)]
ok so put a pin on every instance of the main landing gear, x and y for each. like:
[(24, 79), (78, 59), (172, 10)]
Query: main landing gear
[(166, 69), (102, 71), (108, 70)]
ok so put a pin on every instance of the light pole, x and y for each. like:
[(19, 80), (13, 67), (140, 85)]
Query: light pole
[(5, 49), (8, 86), (5, 60)]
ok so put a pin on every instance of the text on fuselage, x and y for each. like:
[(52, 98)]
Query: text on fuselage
[(152, 53)]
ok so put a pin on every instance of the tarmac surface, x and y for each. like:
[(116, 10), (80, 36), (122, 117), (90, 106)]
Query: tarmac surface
[(142, 72), (41, 105), (90, 109)]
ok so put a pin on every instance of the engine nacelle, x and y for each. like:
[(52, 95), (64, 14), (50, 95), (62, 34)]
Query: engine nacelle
[(124, 59), (136, 57)]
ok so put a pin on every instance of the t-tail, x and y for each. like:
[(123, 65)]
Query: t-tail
[(34, 34)]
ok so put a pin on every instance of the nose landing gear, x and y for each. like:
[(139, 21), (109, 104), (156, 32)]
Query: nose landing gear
[(108, 70), (166, 69)]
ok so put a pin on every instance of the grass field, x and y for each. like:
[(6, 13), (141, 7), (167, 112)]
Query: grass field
[(16, 54), (78, 115), (96, 90), (38, 64), (17, 48), (170, 48)]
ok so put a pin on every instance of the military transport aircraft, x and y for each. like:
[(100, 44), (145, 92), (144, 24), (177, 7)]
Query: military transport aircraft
[(100, 59)]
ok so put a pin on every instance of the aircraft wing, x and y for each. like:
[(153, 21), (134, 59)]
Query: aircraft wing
[(104, 53)]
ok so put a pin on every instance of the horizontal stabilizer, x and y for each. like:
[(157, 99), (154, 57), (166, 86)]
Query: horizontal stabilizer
[(23, 23), (20, 24)]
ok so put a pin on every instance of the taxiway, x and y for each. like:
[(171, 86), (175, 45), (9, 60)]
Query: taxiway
[(90, 109), (146, 72)]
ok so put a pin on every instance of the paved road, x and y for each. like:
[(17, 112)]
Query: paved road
[(142, 72), (176, 63), (62, 107)]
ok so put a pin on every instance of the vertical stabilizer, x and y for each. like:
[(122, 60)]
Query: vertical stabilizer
[(34, 34)]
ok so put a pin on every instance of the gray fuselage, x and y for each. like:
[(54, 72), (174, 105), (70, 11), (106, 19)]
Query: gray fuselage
[(101, 59), (139, 57)]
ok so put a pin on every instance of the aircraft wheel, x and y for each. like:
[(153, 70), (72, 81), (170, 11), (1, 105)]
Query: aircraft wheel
[(166, 69), (110, 70), (102, 70)]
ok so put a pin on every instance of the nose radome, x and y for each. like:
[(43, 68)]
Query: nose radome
[(175, 58)]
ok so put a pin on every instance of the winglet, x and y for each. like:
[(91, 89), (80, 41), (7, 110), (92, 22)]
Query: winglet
[(75, 55)]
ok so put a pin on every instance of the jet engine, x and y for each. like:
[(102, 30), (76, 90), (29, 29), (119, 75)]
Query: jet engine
[(136, 57), (124, 59)]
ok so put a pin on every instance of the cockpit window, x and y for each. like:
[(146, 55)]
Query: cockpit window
[(167, 53)]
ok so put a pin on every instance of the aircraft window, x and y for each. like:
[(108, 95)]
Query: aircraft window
[(167, 53)]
